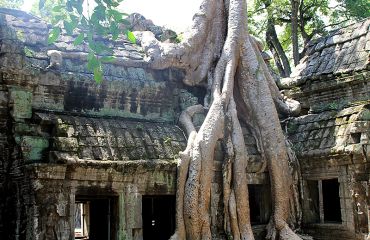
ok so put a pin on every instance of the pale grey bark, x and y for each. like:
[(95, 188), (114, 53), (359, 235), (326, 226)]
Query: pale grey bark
[(227, 60)]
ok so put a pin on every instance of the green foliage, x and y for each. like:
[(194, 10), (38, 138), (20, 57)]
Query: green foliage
[(315, 17), (17, 4), (100, 21), (54, 35), (179, 38), (311, 12), (28, 52), (79, 39), (131, 37), (357, 9)]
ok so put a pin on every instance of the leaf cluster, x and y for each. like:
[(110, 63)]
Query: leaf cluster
[(315, 17), (356, 9), (11, 3), (88, 22)]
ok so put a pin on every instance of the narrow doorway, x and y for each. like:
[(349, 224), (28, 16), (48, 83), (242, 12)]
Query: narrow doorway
[(259, 203), (95, 218), (158, 217), (331, 200)]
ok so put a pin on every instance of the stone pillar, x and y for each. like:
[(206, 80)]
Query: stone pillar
[(72, 206), (321, 202), (52, 204), (121, 233), (134, 221), (346, 189), (368, 209)]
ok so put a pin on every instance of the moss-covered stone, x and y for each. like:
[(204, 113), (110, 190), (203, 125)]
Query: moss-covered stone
[(21, 102), (67, 144), (33, 147)]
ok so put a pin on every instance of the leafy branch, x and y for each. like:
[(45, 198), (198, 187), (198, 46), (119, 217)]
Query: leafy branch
[(104, 21)]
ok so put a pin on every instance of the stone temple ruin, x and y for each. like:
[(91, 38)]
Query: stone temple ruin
[(88, 161)]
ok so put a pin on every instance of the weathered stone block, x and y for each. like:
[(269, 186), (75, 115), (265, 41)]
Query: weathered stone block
[(33, 147), (65, 130), (66, 144), (359, 126), (25, 129), (21, 102)]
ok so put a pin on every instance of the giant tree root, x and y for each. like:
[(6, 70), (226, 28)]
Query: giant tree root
[(220, 54)]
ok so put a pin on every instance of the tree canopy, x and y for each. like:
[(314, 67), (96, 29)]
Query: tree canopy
[(271, 20), (315, 18)]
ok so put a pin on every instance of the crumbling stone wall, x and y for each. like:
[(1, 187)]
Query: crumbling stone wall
[(62, 134)]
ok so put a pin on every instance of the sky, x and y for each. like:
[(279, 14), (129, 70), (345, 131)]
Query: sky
[(173, 14)]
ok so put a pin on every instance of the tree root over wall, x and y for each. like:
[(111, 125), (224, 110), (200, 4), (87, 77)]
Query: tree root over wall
[(218, 53)]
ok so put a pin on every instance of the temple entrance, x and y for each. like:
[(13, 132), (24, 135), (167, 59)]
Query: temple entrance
[(260, 203), (95, 218), (331, 200), (322, 202), (158, 217)]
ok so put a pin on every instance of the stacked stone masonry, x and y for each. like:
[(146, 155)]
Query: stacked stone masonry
[(331, 138), (68, 144), (66, 139)]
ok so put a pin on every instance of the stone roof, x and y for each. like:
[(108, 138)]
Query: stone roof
[(342, 51), (78, 138), (332, 133)]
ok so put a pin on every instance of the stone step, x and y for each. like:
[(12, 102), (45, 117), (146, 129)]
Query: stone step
[(330, 232)]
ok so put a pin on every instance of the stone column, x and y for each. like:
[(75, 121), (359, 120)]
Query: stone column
[(121, 233), (133, 203)]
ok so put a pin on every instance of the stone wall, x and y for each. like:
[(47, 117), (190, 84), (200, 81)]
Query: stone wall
[(65, 138), (331, 138), (63, 135), (55, 188)]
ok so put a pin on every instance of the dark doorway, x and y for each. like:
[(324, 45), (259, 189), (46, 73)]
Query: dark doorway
[(158, 217), (96, 218), (331, 200), (260, 203)]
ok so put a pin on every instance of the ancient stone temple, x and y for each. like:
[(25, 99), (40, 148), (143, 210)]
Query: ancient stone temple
[(81, 160), (332, 140)]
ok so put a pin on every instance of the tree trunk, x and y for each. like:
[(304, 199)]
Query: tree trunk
[(294, 22), (277, 50), (219, 53), (305, 36)]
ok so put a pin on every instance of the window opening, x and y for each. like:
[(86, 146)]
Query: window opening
[(323, 201), (95, 218), (356, 137), (81, 222)]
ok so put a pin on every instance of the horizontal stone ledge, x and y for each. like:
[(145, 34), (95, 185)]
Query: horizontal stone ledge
[(61, 172), (67, 159), (120, 61)]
